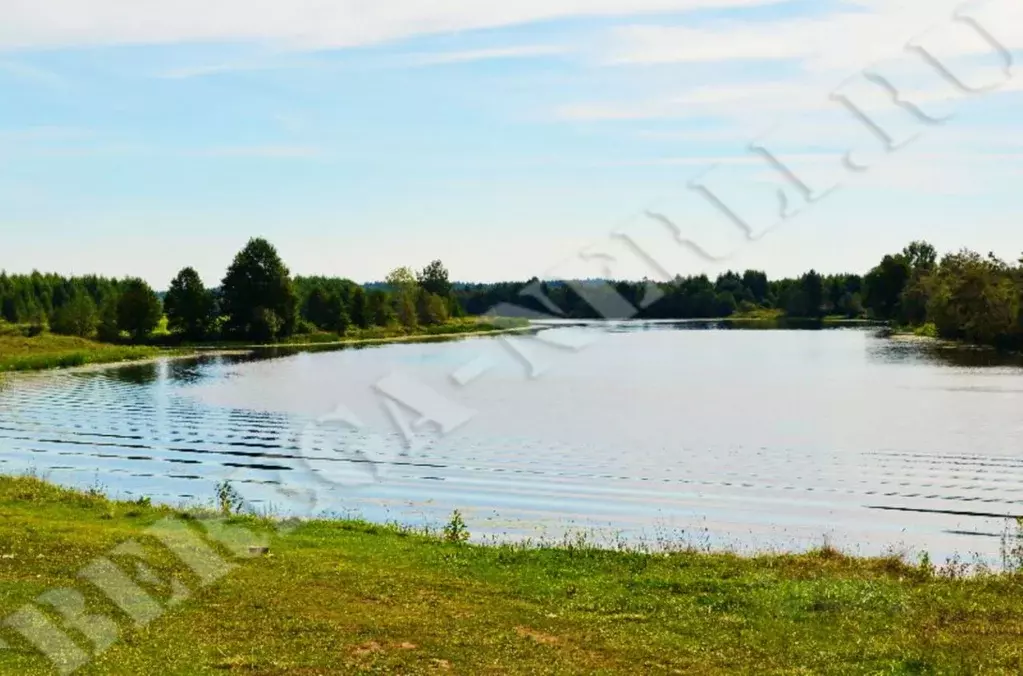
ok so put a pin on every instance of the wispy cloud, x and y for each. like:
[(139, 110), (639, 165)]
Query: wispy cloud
[(298, 23), (468, 56), (255, 64), (733, 99), (211, 69), (289, 152), (840, 40)]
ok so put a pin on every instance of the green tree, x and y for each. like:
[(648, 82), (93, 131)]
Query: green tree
[(406, 310), (380, 310), (455, 308), (326, 311), (257, 295), (77, 317), (885, 284), (794, 302), (434, 279), (108, 330), (920, 255), (360, 314), (916, 298), (975, 299), (756, 282), (812, 288), (850, 305), (402, 279), (431, 308), (189, 305), (725, 305), (405, 289), (319, 308), (138, 309)]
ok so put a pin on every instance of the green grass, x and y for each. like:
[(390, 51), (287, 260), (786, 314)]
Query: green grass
[(47, 351), (759, 314), (451, 327), (397, 333), (21, 352), (351, 597)]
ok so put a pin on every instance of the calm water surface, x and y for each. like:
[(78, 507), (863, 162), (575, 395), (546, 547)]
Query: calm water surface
[(694, 434)]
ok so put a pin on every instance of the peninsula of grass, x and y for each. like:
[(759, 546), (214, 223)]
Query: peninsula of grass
[(20, 352), (758, 315), (48, 351), (351, 597), (397, 333)]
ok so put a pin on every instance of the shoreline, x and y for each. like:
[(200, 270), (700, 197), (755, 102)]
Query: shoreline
[(228, 349), (184, 353), (368, 341)]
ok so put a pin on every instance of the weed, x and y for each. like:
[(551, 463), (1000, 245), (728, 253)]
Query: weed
[(229, 500), (1012, 546), (456, 530)]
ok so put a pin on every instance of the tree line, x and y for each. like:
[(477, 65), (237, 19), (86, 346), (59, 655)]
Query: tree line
[(962, 296), (257, 300), (694, 297)]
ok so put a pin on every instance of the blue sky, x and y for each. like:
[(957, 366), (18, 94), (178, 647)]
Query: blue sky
[(359, 136)]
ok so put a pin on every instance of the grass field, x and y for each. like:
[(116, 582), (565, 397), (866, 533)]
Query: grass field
[(350, 597), (46, 351)]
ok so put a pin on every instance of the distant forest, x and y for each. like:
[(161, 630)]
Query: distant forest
[(961, 296)]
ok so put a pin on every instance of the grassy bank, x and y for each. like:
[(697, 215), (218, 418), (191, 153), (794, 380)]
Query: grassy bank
[(344, 597), (380, 334), (47, 351), (769, 315), (397, 333), (19, 352)]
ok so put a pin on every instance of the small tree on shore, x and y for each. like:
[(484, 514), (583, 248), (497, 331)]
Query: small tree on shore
[(405, 289), (189, 305), (138, 309), (257, 295)]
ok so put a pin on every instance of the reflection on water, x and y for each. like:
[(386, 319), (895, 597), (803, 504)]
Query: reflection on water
[(138, 374), (695, 430)]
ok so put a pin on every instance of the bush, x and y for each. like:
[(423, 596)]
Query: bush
[(78, 317), (265, 326), (455, 530)]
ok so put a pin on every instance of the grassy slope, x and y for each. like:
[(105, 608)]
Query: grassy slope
[(19, 353), (338, 597)]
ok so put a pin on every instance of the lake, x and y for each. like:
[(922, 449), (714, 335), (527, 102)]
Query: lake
[(656, 434)]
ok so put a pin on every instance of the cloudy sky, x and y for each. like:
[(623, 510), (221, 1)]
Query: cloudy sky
[(508, 139)]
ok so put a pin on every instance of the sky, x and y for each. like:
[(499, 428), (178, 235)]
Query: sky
[(562, 138)]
